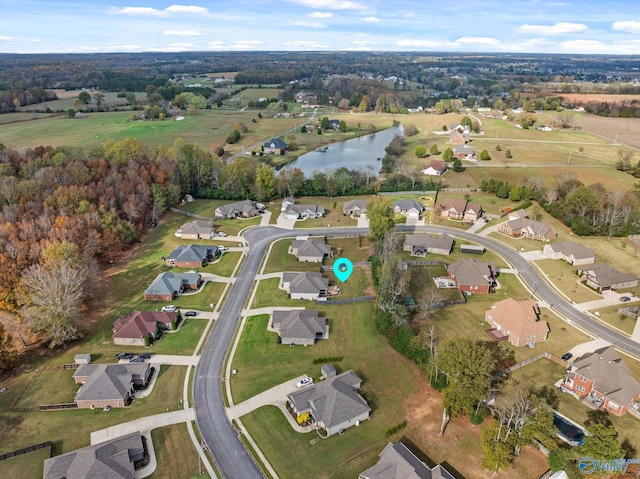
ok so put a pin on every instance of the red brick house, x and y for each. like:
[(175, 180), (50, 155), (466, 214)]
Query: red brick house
[(526, 228), (602, 380), (460, 209), (109, 384), (473, 276), (133, 330), (519, 321)]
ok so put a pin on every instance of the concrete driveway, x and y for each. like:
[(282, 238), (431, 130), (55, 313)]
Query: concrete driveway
[(610, 298), (588, 347)]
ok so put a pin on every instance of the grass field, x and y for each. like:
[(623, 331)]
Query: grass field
[(563, 276), (30, 465), (183, 341), (611, 317), (175, 454), (281, 260), (51, 386)]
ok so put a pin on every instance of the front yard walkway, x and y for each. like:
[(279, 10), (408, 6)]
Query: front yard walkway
[(276, 396)]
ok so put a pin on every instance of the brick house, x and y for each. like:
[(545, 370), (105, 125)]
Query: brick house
[(410, 208), (570, 252), (313, 251), (168, 286), (519, 321), (300, 326), (460, 209), (191, 256), (398, 462), (109, 384), (194, 230), (133, 330), (239, 209), (354, 208), (473, 276), (526, 228), (307, 285), (603, 277)]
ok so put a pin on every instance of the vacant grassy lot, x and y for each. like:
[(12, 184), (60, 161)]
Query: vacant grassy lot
[(51, 386), (333, 215), (356, 249), (563, 276), (30, 465), (183, 341), (422, 284), (176, 456), (611, 317)]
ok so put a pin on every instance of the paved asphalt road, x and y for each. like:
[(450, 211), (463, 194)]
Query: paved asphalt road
[(230, 456)]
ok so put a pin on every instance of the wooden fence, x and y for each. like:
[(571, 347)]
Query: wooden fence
[(26, 450), (192, 215), (544, 354)]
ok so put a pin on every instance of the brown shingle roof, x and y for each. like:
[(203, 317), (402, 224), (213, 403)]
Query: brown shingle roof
[(519, 318), (141, 323)]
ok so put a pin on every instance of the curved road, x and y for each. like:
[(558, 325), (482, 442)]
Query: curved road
[(231, 458)]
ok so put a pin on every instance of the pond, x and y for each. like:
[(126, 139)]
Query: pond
[(364, 153)]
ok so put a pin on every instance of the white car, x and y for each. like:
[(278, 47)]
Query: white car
[(222, 248), (170, 308), (304, 382)]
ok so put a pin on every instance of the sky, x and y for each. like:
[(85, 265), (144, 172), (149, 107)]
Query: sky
[(518, 26)]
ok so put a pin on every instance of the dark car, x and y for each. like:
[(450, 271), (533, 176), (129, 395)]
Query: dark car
[(124, 356), (190, 314), (566, 356), (137, 359), (624, 299), (153, 224), (144, 355)]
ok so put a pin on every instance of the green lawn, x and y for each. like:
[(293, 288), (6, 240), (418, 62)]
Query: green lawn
[(488, 256), (355, 249), (176, 454), (281, 260), (262, 363), (562, 276), (422, 283), (184, 341), (269, 295), (51, 386), (30, 465), (226, 264), (611, 317)]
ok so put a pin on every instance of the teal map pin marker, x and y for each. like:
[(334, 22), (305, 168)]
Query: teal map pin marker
[(343, 268)]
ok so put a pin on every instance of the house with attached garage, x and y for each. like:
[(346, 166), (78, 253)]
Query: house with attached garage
[(302, 212), (517, 321), (421, 243), (602, 380), (239, 209), (275, 146), (464, 151), (300, 326), (410, 208), (354, 208), (398, 462), (168, 286), (473, 276), (194, 230), (603, 277), (460, 209), (570, 252), (310, 251), (192, 256), (333, 404), (435, 168), (112, 459), (141, 327), (109, 384), (310, 286), (526, 228)]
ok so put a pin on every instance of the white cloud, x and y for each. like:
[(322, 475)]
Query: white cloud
[(363, 42), (186, 9), (562, 28), (417, 43), (304, 23), (478, 41), (331, 4), (182, 33), (181, 45), (629, 27), (149, 11), (371, 19), (305, 44), (584, 46), (120, 48), (320, 15), (7, 39)]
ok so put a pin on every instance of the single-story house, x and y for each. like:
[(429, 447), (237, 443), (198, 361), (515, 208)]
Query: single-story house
[(286, 203), (570, 252), (239, 209), (460, 209), (473, 276), (306, 285), (142, 326), (517, 214), (457, 138), (192, 256), (275, 146), (602, 379), (112, 459), (334, 404), (313, 251), (198, 229), (603, 277), (464, 151), (420, 244), (410, 208), (398, 462), (435, 168), (526, 228), (109, 384), (301, 326), (519, 320), (301, 212), (334, 124), (354, 208), (168, 286)]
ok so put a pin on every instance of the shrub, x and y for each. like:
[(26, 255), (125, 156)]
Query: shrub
[(328, 359), (391, 431)]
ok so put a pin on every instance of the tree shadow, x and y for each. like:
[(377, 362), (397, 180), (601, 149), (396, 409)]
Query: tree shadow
[(549, 394)]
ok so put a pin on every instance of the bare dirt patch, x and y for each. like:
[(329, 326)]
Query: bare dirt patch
[(625, 131), (65, 94)]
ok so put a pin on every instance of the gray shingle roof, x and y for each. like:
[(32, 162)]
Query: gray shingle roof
[(244, 207), (108, 460), (605, 275), (192, 252), (276, 143), (532, 226), (311, 248), (305, 282), (298, 324), (333, 401), (360, 205), (471, 272), (108, 381), (171, 283), (398, 462), (441, 241), (201, 227), (569, 248), (309, 209), (406, 205)]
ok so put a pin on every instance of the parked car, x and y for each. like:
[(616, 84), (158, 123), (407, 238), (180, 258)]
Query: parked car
[(624, 299), (304, 382), (566, 356), (222, 248), (137, 359), (153, 224), (120, 356), (169, 308), (144, 355), (190, 314), (222, 234)]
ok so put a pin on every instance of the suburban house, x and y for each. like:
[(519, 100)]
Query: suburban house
[(275, 146), (410, 208), (288, 201), (310, 251), (194, 230), (435, 168), (420, 244), (354, 208), (142, 326), (334, 404), (192, 256), (168, 286), (112, 459), (517, 321), (464, 151), (603, 277), (239, 209), (334, 124), (473, 276), (517, 214), (307, 285), (301, 212), (109, 384), (603, 380), (398, 462), (301, 326), (526, 228), (458, 138), (570, 252), (460, 209)]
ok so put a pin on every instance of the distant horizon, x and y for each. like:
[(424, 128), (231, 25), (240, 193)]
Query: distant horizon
[(551, 27)]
